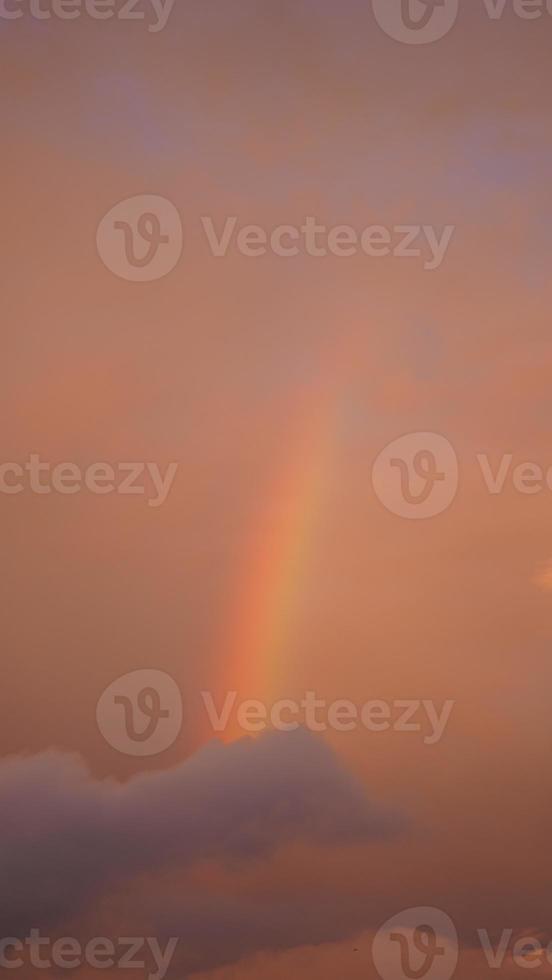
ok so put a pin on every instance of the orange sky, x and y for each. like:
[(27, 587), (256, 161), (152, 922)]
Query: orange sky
[(272, 567)]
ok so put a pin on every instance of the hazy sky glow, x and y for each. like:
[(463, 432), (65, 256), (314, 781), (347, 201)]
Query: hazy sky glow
[(272, 568)]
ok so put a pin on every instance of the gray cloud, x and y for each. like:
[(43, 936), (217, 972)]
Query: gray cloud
[(67, 839)]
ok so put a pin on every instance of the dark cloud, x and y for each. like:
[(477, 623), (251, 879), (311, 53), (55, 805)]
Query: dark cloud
[(68, 839)]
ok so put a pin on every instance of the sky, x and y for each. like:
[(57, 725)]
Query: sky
[(339, 465)]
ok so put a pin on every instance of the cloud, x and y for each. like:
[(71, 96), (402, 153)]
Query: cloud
[(68, 839)]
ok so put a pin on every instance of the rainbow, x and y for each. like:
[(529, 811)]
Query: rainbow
[(275, 565)]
